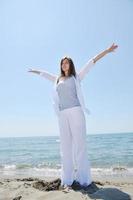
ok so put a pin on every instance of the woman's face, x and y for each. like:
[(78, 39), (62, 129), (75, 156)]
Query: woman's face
[(65, 65)]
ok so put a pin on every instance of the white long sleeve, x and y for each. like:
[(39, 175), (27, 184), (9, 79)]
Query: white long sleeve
[(47, 75), (85, 69)]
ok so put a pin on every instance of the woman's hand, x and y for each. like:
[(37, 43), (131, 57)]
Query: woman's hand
[(105, 52), (34, 71), (44, 73), (30, 70), (112, 48)]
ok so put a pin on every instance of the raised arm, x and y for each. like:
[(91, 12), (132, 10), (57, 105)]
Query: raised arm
[(45, 74), (85, 69)]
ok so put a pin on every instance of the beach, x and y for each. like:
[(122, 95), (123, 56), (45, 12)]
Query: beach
[(31, 188)]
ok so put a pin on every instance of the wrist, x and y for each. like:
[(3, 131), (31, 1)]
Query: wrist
[(107, 50)]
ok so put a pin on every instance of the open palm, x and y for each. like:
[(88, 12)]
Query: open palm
[(112, 48)]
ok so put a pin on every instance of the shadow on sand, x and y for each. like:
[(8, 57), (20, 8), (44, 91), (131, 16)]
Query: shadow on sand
[(93, 191)]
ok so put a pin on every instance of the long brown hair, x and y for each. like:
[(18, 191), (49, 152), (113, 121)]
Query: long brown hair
[(71, 70)]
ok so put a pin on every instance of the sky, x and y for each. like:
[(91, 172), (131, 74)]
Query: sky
[(37, 34)]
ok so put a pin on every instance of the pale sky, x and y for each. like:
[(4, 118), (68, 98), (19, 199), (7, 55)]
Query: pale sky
[(37, 34)]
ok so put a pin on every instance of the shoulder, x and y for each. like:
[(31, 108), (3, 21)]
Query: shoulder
[(57, 78), (77, 77)]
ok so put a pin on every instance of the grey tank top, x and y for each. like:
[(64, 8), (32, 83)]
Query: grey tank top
[(67, 93)]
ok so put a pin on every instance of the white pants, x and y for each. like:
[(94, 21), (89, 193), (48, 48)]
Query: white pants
[(73, 147)]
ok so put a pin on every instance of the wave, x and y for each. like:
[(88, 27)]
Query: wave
[(46, 170)]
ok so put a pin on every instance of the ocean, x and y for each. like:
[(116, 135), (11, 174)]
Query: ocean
[(109, 154)]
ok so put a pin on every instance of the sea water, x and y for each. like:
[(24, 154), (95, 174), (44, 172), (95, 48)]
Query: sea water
[(109, 154)]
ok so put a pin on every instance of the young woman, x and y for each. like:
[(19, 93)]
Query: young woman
[(69, 106)]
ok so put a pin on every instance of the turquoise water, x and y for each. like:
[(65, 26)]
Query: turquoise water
[(41, 155)]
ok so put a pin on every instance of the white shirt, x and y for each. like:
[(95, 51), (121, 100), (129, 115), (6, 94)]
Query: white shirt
[(79, 77)]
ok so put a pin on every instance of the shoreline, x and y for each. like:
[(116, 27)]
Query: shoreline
[(119, 173)]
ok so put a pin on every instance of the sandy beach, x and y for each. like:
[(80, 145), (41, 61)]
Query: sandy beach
[(33, 188)]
